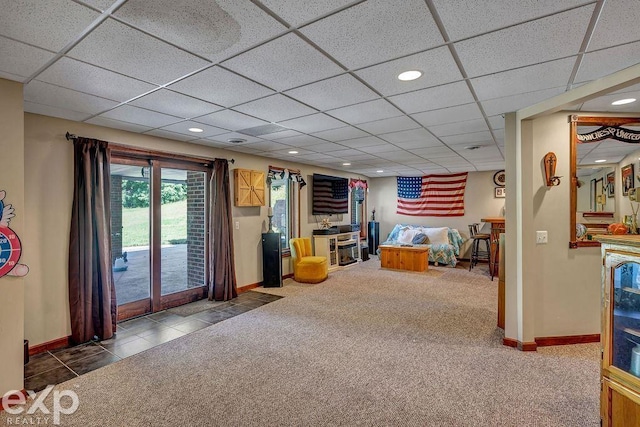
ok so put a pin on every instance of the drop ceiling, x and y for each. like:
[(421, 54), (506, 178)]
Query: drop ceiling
[(324, 71)]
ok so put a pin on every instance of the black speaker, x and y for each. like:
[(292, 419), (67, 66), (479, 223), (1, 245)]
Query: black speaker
[(373, 237), (271, 260)]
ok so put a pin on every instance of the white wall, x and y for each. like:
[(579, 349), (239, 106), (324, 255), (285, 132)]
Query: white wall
[(479, 202), (12, 175), (49, 196)]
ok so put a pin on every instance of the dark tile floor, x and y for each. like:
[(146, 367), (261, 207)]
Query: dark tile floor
[(132, 337)]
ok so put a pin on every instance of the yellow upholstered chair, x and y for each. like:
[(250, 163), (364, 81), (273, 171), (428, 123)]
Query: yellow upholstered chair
[(306, 267)]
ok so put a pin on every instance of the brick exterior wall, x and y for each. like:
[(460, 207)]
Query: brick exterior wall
[(195, 228), (116, 217)]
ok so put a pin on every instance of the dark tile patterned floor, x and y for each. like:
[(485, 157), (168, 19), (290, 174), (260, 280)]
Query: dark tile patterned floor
[(132, 337)]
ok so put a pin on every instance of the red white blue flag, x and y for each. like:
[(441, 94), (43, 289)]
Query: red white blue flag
[(432, 195)]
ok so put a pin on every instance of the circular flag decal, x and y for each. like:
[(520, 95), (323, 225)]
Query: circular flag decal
[(9, 250)]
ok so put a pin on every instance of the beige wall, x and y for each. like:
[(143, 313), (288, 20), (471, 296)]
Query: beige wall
[(479, 202), (12, 174), (49, 194)]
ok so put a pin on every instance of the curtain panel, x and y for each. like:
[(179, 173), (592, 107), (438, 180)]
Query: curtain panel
[(92, 297), (222, 274)]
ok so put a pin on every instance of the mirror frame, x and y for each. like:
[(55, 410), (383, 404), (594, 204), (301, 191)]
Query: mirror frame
[(576, 121)]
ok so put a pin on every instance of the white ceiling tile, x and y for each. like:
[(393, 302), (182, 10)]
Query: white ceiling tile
[(50, 24), (537, 77), (340, 134), (419, 134), (400, 156), (433, 152), (232, 120), (344, 152), (437, 66), (296, 12), (284, 63), (9, 76), (512, 103), (326, 147), (301, 140), (225, 137), (20, 59), (382, 148), (449, 115), (215, 31), (393, 124), (366, 112), (140, 116), (604, 62), (170, 135), (221, 87), (618, 23), (268, 146), (314, 123), (72, 74), (120, 48), (117, 124), (100, 4), (283, 134), (356, 38), (468, 137), (46, 110), (496, 122), (58, 97), (418, 143), (333, 93), (526, 44), (467, 126), (275, 108), (479, 17), (433, 98), (367, 141), (175, 104), (183, 128), (215, 144)]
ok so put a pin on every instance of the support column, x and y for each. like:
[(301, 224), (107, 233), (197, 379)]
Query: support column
[(195, 228), (12, 288)]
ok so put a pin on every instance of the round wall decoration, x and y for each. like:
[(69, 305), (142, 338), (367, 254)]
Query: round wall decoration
[(499, 178)]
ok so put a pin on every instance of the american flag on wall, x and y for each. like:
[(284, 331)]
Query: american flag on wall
[(432, 195), (330, 195)]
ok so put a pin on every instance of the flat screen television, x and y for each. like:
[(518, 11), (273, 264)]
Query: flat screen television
[(330, 195)]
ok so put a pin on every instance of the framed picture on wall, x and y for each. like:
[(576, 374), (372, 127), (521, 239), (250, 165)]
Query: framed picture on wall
[(500, 192), (611, 179), (627, 179)]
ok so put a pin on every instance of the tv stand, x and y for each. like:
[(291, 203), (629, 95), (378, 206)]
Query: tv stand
[(341, 250)]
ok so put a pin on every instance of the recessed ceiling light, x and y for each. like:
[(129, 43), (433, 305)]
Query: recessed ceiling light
[(380, 171), (600, 161), (293, 152), (195, 130), (409, 75), (346, 164), (623, 101)]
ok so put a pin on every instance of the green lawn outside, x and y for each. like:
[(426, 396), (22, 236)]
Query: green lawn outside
[(135, 224)]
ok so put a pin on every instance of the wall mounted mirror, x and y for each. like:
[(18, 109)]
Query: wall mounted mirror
[(599, 146)]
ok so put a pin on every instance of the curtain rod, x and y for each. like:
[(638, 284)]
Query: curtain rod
[(71, 137)]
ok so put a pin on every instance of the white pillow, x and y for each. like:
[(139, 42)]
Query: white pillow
[(406, 236), (437, 236)]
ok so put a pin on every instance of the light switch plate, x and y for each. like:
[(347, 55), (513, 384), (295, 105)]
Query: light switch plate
[(541, 237)]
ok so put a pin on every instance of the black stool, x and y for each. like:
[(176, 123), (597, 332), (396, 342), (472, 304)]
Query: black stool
[(476, 253)]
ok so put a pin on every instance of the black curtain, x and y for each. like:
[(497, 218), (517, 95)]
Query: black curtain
[(222, 273), (92, 295)]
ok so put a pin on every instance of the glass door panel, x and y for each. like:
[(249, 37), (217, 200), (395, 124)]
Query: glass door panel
[(130, 239), (625, 344), (182, 225)]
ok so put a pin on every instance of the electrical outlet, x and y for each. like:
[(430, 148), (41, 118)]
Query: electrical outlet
[(237, 225), (541, 237)]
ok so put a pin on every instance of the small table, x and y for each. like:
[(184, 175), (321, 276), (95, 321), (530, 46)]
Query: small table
[(410, 258)]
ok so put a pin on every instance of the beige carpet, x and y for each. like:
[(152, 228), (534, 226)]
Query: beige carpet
[(366, 347)]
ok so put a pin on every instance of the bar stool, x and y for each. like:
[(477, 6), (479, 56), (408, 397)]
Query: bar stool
[(476, 253)]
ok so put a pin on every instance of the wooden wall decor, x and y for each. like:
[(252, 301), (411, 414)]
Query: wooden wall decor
[(249, 187), (550, 162)]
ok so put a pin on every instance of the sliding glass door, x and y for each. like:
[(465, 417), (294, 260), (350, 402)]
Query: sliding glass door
[(159, 239)]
